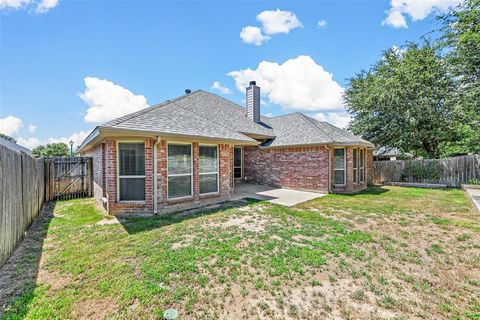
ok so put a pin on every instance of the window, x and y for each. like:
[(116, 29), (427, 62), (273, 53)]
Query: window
[(131, 171), (237, 162), (339, 166), (362, 165), (355, 166), (208, 169), (179, 170)]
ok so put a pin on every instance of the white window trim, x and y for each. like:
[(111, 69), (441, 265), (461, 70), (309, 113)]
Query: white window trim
[(205, 173), (362, 165), (355, 170), (181, 174), (344, 167), (128, 177), (241, 162)]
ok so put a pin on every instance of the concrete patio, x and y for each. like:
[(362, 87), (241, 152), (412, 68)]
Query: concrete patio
[(285, 197)]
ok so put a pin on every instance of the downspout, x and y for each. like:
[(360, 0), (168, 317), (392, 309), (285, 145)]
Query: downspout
[(155, 191)]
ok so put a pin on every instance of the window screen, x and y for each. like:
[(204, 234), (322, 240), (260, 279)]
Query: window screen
[(362, 165), (179, 170), (208, 169), (131, 163), (355, 166), (339, 166), (237, 162)]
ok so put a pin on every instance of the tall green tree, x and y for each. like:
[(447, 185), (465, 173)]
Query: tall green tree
[(52, 150), (461, 39), (403, 101)]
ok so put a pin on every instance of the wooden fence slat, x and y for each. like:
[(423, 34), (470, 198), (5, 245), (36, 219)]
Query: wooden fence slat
[(454, 170), (26, 183)]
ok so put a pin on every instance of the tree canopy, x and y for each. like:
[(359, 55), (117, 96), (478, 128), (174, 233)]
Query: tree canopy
[(424, 98), (52, 150)]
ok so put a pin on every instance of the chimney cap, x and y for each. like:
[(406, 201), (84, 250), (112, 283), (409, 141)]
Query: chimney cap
[(188, 91), (253, 83)]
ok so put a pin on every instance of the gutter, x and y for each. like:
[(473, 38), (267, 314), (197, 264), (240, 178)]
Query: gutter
[(155, 169)]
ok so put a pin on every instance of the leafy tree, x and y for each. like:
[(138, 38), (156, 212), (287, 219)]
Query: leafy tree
[(461, 39), (4, 136), (52, 150), (404, 101)]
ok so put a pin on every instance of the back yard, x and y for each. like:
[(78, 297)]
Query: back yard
[(388, 252)]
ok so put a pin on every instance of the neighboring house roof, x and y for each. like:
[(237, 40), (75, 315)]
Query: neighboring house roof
[(13, 146), (204, 114), (390, 152)]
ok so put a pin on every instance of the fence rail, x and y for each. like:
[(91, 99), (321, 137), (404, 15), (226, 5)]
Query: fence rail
[(450, 171), (26, 182)]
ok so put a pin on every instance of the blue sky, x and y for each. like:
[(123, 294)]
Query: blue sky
[(66, 66)]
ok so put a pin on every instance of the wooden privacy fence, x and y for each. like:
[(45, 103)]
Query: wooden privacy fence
[(450, 171), (68, 178), (26, 182), (22, 194)]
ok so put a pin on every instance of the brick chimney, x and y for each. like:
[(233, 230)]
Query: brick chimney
[(253, 102)]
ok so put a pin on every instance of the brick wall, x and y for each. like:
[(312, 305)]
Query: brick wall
[(165, 205), (350, 187), (98, 156), (303, 168), (113, 206)]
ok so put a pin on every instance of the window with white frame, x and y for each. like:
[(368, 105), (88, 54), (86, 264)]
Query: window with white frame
[(131, 171), (362, 165), (208, 168), (179, 170), (339, 166), (355, 165), (237, 162)]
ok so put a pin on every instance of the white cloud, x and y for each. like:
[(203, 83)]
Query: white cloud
[(33, 142), (107, 100), (13, 4), (46, 5), (278, 21), (322, 23), (253, 35), (297, 84), (29, 143), (10, 125), (416, 9), (41, 6), (338, 119), (32, 128), (224, 90)]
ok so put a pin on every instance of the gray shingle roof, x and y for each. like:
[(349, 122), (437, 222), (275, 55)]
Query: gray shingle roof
[(205, 114), (13, 146)]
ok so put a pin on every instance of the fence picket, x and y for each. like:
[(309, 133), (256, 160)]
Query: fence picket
[(454, 170)]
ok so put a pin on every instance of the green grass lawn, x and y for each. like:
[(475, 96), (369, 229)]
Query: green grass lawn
[(388, 252)]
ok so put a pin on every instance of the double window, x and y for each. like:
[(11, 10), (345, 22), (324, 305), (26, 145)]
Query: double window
[(179, 170), (131, 171), (362, 165), (208, 168), (339, 163)]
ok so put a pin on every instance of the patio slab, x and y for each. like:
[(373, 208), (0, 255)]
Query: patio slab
[(474, 195), (285, 197)]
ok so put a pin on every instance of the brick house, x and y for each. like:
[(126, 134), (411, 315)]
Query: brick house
[(190, 151)]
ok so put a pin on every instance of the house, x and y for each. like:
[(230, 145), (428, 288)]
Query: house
[(390, 154), (13, 146), (190, 151)]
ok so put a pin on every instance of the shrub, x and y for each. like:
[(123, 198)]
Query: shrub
[(429, 171), (474, 181)]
